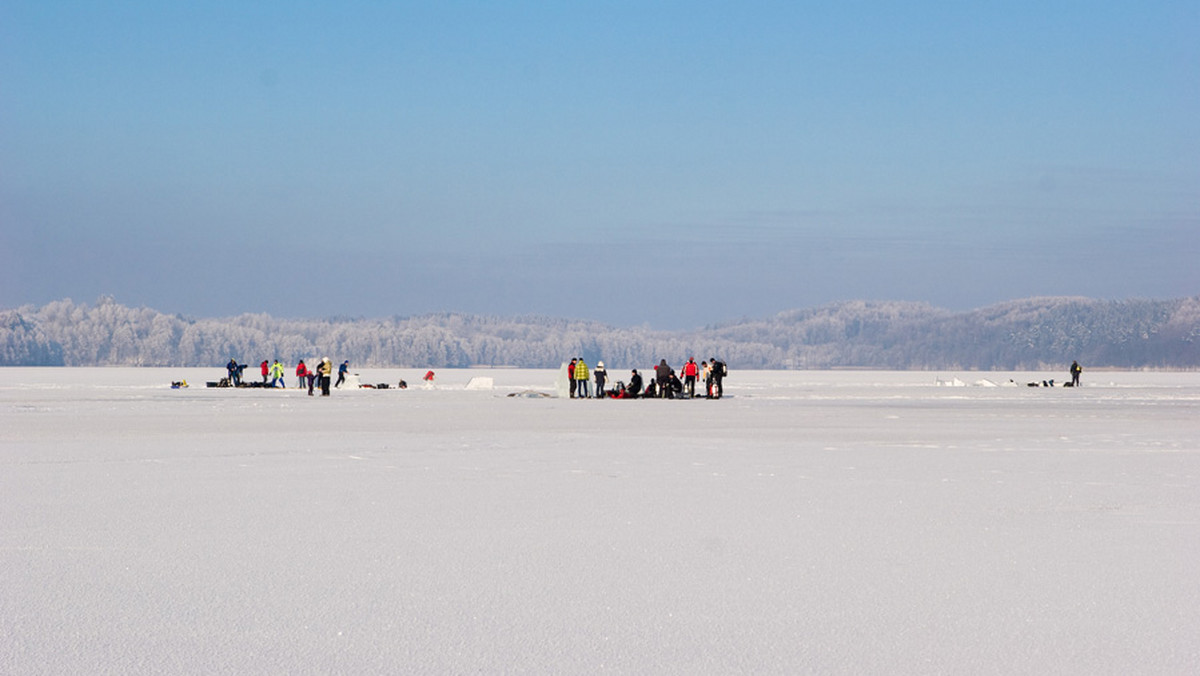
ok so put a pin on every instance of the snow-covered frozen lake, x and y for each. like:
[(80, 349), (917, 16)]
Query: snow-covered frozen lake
[(811, 522)]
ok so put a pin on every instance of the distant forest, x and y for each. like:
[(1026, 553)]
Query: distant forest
[(1030, 334)]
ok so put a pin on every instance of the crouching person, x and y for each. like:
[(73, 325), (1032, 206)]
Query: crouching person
[(634, 389)]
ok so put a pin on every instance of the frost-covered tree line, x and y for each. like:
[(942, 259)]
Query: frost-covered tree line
[(1036, 333)]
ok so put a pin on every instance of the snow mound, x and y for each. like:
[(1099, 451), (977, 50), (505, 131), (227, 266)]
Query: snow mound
[(481, 383)]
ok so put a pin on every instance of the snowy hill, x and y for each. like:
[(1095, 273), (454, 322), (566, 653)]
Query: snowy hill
[(1030, 333)]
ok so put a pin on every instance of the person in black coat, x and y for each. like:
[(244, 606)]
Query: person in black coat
[(601, 376), (718, 375), (662, 376), (635, 384), (675, 386)]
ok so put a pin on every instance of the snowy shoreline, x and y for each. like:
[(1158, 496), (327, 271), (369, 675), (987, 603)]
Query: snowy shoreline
[(831, 522), (452, 378)]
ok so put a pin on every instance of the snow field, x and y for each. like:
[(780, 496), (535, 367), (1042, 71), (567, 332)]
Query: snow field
[(811, 522)]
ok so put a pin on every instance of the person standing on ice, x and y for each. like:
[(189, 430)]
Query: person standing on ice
[(662, 378), (718, 375), (342, 370), (581, 376), (325, 371), (301, 373), (1076, 369), (571, 377), (690, 371), (266, 370), (277, 374), (235, 373), (601, 376)]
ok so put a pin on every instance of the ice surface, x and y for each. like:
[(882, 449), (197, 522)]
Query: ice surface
[(833, 522)]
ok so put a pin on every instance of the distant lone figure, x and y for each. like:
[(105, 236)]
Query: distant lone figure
[(1076, 369)]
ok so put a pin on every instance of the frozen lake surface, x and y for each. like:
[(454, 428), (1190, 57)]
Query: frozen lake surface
[(811, 522)]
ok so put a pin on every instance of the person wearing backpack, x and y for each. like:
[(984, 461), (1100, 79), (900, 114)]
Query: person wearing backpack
[(719, 371)]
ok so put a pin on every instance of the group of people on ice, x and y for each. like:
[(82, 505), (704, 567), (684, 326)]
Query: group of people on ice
[(273, 375), (1075, 371), (665, 384)]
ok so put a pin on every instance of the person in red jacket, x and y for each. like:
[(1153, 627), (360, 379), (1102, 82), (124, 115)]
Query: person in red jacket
[(301, 374), (266, 370), (690, 371)]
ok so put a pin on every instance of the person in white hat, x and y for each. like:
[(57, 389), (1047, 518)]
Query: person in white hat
[(601, 376)]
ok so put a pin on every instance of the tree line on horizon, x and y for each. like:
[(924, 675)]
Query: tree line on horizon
[(1028, 334)]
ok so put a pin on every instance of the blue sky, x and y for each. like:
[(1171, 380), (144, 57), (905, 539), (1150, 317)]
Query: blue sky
[(672, 164)]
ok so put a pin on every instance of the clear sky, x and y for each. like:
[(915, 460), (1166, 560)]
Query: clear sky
[(664, 163)]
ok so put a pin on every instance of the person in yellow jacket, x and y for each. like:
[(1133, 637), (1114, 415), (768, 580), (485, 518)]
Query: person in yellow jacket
[(277, 374), (581, 378), (324, 372)]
